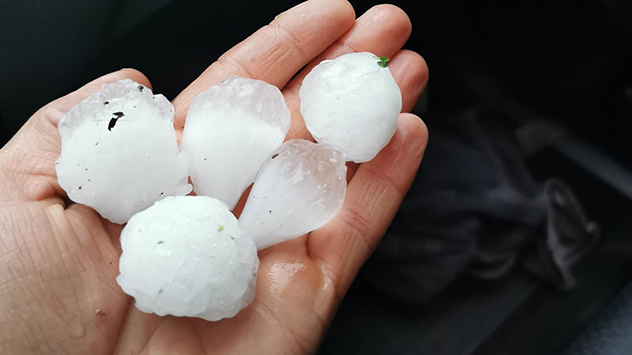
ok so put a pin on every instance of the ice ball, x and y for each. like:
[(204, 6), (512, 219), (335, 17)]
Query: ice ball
[(231, 129), (352, 102), (187, 256), (119, 153), (300, 188)]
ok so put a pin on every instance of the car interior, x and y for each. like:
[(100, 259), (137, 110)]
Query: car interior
[(516, 237)]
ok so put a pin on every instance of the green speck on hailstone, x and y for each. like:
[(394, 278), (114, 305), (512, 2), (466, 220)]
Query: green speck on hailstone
[(383, 62), (220, 228)]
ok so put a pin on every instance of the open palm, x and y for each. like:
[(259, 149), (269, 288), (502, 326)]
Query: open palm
[(59, 261)]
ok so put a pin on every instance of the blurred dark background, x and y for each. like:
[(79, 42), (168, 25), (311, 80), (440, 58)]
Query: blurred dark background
[(516, 236)]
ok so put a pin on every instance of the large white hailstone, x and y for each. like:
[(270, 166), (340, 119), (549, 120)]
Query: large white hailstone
[(352, 102), (119, 153), (231, 129), (299, 189), (187, 256)]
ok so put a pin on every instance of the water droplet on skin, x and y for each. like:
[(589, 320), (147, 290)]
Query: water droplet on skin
[(281, 274)]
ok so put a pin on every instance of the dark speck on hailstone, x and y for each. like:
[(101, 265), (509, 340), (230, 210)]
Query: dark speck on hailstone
[(159, 242), (112, 123), (274, 156), (106, 103), (140, 88)]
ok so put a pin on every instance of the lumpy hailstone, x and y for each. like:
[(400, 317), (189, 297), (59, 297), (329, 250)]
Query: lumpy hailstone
[(119, 153), (352, 103), (187, 256), (299, 189), (231, 129)]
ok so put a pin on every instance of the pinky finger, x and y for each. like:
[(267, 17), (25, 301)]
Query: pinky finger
[(374, 195)]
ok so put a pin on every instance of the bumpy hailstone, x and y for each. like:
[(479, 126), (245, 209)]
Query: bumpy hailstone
[(299, 189), (352, 103), (231, 129), (187, 256), (119, 153)]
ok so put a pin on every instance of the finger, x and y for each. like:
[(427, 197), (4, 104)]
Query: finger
[(373, 197), (277, 51), (28, 160), (382, 30), (411, 74)]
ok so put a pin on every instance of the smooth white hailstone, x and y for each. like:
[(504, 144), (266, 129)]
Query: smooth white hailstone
[(119, 153), (351, 102), (231, 129), (299, 189), (187, 256)]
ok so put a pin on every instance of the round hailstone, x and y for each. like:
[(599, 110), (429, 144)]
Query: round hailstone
[(187, 256), (299, 189), (352, 103), (119, 153), (231, 129)]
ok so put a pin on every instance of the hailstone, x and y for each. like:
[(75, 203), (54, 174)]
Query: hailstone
[(352, 102), (119, 152), (231, 129), (299, 189), (187, 256)]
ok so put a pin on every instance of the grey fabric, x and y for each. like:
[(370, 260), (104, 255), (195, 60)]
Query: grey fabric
[(474, 206), (611, 332), (568, 235)]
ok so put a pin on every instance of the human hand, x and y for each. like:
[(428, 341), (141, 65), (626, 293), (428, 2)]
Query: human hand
[(59, 261)]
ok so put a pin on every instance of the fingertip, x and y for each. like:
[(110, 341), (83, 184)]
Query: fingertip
[(414, 65), (382, 30), (339, 13), (398, 19), (410, 70), (345, 9), (342, 14), (414, 133), (134, 75)]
